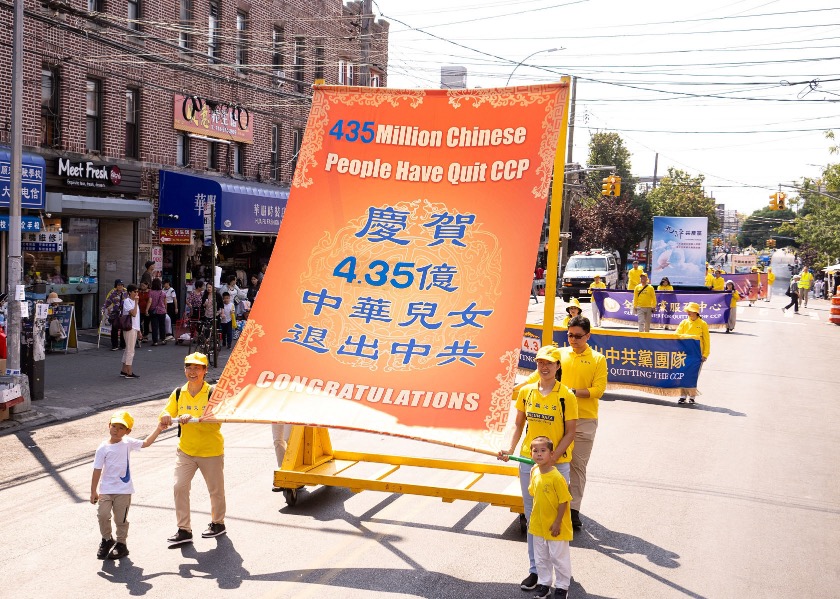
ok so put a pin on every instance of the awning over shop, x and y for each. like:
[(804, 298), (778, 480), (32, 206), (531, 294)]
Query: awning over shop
[(105, 207), (241, 207), (33, 175)]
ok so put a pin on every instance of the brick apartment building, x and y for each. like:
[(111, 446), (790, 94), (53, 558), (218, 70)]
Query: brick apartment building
[(144, 109)]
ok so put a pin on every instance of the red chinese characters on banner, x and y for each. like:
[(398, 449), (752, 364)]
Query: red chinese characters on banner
[(399, 281)]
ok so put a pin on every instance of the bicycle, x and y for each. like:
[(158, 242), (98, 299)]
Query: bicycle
[(202, 342)]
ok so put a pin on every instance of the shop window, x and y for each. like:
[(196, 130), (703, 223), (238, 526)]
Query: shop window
[(214, 49), (186, 24), (297, 138), (241, 39), (134, 15), (93, 115), (183, 150), (132, 126), (49, 108), (275, 145), (81, 250), (299, 63)]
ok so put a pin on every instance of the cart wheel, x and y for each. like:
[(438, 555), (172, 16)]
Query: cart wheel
[(523, 524), (291, 496)]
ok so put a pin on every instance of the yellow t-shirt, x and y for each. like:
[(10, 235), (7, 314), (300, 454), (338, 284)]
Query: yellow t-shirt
[(665, 288), (735, 297), (771, 276), (565, 323), (198, 439), (644, 296), (586, 370), (696, 328), (718, 284), (544, 416), (710, 280), (600, 285), (634, 275), (549, 491)]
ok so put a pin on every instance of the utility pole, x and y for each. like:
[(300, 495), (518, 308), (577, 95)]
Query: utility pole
[(567, 203), (366, 20), (15, 267)]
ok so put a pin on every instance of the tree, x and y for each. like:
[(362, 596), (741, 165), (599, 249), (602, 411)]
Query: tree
[(680, 194), (762, 225), (609, 223), (817, 226)]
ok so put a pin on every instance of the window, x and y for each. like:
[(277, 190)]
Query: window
[(134, 15), (275, 144), (94, 5), (212, 155), (277, 54), (298, 62), (49, 107), (93, 114), (238, 158), (185, 17), (241, 39), (375, 80), (183, 154), (345, 72), (319, 61), (213, 46), (132, 130), (297, 138)]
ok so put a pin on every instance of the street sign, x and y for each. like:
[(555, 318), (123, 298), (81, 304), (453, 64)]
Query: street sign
[(565, 235), (208, 223)]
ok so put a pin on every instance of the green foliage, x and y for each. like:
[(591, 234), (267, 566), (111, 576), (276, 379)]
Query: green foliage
[(817, 225), (763, 224), (680, 194)]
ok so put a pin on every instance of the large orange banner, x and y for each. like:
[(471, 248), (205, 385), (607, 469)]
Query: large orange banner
[(399, 282)]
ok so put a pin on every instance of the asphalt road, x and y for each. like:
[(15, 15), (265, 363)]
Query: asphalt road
[(734, 497)]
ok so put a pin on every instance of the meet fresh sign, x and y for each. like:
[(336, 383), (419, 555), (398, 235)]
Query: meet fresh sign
[(88, 173)]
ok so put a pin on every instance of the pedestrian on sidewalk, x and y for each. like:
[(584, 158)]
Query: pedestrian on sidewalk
[(793, 294), (111, 485), (806, 281), (145, 321), (200, 447), (644, 301), (227, 319), (113, 309), (171, 308), (130, 306), (157, 312), (696, 327)]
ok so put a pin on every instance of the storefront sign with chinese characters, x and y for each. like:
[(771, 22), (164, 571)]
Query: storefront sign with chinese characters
[(44, 241), (218, 120), (31, 185), (89, 174), (27, 223), (171, 236)]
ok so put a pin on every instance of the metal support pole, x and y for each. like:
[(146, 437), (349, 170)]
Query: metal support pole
[(366, 18), (567, 205), (213, 341)]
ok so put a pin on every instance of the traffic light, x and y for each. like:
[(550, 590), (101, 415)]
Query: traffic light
[(780, 199), (611, 186), (774, 202)]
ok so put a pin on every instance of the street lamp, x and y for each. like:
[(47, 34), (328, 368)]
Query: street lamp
[(521, 62)]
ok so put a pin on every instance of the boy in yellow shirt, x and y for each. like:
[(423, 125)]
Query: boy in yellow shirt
[(551, 522)]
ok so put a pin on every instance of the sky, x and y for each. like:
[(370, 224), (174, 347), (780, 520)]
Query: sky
[(741, 92)]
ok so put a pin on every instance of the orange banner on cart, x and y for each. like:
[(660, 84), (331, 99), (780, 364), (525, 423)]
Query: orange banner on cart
[(175, 236), (400, 276), (213, 119)]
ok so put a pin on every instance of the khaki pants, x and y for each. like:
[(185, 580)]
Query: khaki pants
[(130, 338), (212, 469), (118, 504), (584, 439), (644, 315)]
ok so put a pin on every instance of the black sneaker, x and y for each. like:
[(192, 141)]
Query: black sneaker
[(682, 400), (122, 374), (542, 591), (214, 529), (560, 593), (529, 583), (180, 537), (576, 523), (132, 376), (690, 400), (118, 552), (104, 548)]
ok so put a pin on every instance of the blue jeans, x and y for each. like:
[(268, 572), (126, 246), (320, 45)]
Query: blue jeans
[(528, 503)]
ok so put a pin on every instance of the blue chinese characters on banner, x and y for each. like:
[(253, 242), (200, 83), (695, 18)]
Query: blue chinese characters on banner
[(617, 306), (661, 366)]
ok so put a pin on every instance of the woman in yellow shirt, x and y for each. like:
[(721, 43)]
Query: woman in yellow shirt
[(597, 283), (572, 310), (694, 326), (733, 305), (771, 276), (665, 285)]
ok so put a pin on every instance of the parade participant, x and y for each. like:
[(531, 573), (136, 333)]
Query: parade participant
[(634, 275), (806, 281), (550, 409), (111, 485), (200, 447), (113, 309), (695, 327), (771, 276), (550, 524), (644, 301), (665, 285), (733, 304), (130, 306), (597, 283), (718, 282), (572, 310), (710, 277), (793, 294)]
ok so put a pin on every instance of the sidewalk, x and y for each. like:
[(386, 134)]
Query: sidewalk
[(88, 381)]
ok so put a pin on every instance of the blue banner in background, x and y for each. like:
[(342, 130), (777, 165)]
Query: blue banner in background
[(617, 306), (679, 250), (657, 363)]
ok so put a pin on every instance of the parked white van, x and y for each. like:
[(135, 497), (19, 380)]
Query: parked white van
[(581, 269)]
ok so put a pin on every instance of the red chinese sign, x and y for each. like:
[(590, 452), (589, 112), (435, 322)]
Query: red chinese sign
[(176, 236), (222, 121)]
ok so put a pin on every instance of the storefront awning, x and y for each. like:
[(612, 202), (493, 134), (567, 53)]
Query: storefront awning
[(33, 175), (105, 207), (241, 207)]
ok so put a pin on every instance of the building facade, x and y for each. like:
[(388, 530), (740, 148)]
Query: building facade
[(135, 112)]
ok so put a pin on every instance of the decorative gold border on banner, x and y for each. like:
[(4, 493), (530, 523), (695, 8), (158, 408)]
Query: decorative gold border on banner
[(319, 117), (238, 364), (499, 409)]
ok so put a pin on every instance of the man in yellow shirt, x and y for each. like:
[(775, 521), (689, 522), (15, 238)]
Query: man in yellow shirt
[(806, 281), (200, 447), (717, 282), (634, 275), (584, 372), (644, 301)]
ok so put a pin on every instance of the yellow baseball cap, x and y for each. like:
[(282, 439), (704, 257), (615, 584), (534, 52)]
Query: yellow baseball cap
[(197, 358), (123, 418), (549, 352)]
